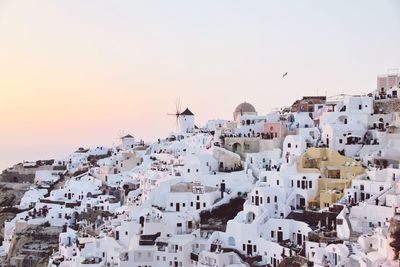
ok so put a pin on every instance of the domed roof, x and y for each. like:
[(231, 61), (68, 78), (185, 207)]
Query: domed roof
[(245, 108)]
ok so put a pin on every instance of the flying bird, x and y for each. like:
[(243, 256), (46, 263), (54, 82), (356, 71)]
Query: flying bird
[(283, 76)]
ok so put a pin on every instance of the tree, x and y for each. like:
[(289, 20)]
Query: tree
[(395, 234)]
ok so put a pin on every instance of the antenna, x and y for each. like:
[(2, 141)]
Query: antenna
[(177, 113)]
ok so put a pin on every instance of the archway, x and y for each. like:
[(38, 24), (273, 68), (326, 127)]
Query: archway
[(299, 202), (237, 147), (250, 217)]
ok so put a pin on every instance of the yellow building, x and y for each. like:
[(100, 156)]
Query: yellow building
[(336, 172)]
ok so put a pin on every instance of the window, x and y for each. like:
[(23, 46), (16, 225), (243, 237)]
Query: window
[(272, 234), (204, 204), (309, 184), (340, 141), (289, 145), (171, 204), (277, 182), (359, 106), (188, 170), (275, 199)]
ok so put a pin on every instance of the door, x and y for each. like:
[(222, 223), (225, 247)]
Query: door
[(249, 249), (302, 202), (280, 236), (197, 205), (299, 239), (257, 200), (177, 207)]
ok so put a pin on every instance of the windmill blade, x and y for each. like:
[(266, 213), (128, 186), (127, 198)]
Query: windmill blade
[(121, 134), (178, 106), (177, 113)]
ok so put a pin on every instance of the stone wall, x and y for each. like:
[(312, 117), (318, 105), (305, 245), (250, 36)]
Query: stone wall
[(387, 105)]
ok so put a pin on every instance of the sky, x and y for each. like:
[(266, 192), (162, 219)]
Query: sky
[(82, 73)]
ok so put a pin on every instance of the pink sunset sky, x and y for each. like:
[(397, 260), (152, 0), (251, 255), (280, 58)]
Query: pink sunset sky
[(81, 73)]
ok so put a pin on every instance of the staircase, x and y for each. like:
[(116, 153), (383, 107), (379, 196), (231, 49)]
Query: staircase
[(291, 196), (378, 195), (350, 247), (353, 235)]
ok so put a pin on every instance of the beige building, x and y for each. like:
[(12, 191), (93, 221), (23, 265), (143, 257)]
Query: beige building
[(242, 145), (336, 172), (227, 160)]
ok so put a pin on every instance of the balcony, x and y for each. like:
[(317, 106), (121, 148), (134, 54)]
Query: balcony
[(194, 256), (148, 240)]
